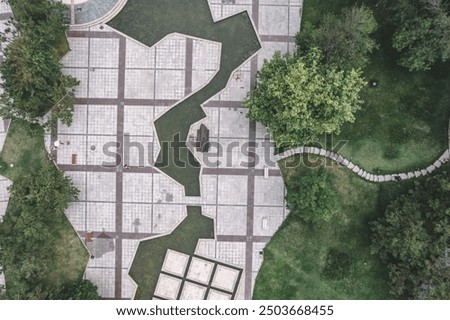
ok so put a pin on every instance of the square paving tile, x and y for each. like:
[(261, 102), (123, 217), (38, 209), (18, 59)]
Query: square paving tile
[(269, 191), (137, 218), (232, 220), (102, 119), (137, 187), (273, 20), (200, 270), (73, 148), (169, 84), (96, 151), (139, 84), (167, 287), (267, 220), (139, 56), (225, 278), (166, 217), (192, 291), (206, 248), (104, 53), (103, 83), (166, 190), (171, 53), (200, 78), (205, 55), (218, 295), (175, 263), (101, 186), (138, 120), (234, 123), (231, 252), (138, 151), (101, 216), (232, 190), (238, 87)]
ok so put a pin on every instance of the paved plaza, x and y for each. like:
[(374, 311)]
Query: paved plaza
[(124, 87)]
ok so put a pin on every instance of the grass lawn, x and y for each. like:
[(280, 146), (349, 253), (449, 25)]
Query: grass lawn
[(28, 154), (150, 255), (149, 22), (332, 260), (403, 123)]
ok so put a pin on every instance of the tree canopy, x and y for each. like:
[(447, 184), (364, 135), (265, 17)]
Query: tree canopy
[(32, 79), (312, 196), (422, 31), (298, 98), (412, 239), (29, 234), (345, 40)]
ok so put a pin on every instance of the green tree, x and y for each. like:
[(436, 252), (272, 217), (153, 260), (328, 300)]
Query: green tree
[(32, 79), (82, 290), (298, 98), (412, 239), (422, 32), (28, 233), (345, 40), (312, 197)]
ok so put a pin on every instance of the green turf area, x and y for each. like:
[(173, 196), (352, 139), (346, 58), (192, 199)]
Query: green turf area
[(24, 151), (27, 153), (403, 123), (331, 260), (150, 255), (149, 22)]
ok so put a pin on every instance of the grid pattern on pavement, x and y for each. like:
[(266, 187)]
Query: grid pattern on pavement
[(124, 87)]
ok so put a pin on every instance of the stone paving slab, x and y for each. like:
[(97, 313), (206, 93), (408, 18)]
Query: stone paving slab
[(131, 88)]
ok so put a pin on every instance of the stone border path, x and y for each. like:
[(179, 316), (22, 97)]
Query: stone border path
[(361, 172)]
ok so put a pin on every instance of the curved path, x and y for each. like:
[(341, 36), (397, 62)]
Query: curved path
[(89, 13), (361, 172)]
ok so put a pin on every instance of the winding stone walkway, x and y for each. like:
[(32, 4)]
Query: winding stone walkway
[(361, 172)]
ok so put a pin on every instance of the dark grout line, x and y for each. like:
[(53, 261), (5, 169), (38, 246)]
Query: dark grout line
[(93, 34), (228, 238), (206, 171), (251, 177), (273, 38), (188, 66), (119, 173), (122, 235)]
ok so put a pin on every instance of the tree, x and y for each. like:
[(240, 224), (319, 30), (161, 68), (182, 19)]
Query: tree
[(345, 40), (32, 79), (82, 290), (412, 239), (29, 232), (298, 98), (312, 196), (422, 32)]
